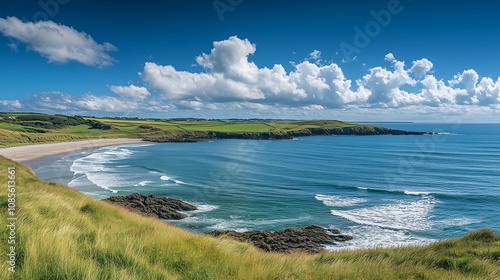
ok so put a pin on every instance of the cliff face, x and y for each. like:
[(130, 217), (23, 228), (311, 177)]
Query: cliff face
[(282, 135)]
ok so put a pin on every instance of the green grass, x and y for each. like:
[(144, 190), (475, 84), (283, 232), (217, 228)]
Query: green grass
[(82, 130), (40, 128), (11, 126), (62, 234), (9, 138), (224, 126)]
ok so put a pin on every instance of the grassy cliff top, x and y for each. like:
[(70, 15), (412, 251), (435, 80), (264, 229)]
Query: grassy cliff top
[(32, 128), (63, 234)]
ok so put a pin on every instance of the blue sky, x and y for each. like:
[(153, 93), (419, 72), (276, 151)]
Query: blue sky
[(352, 60)]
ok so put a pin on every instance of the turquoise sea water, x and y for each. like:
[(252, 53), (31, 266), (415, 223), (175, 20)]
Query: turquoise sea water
[(384, 190)]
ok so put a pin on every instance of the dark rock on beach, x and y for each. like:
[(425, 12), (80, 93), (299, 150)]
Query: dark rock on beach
[(153, 206), (310, 239)]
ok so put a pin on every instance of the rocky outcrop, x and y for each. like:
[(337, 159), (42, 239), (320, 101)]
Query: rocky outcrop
[(310, 239), (153, 206), (283, 135), (353, 130)]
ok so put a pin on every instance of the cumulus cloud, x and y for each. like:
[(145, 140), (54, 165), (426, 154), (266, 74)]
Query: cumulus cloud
[(58, 43), (10, 104), (57, 102), (230, 81), (133, 92), (383, 85), (315, 55), (421, 67), (484, 91), (231, 77), (230, 58)]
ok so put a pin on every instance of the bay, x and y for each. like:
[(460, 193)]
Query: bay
[(384, 190)]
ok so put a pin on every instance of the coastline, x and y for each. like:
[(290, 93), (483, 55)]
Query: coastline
[(292, 239), (77, 221), (38, 151), (174, 174)]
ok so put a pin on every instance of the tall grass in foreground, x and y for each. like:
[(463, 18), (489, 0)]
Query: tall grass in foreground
[(62, 234)]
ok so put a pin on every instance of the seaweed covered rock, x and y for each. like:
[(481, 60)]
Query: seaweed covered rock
[(153, 206), (309, 239)]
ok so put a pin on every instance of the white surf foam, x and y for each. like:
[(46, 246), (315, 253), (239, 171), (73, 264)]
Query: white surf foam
[(240, 224), (375, 237), (339, 201), (167, 178), (93, 168), (458, 222), (202, 208), (142, 183), (405, 215), (136, 145), (236, 223), (415, 193)]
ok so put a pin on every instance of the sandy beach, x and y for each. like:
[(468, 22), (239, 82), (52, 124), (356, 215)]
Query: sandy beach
[(32, 152)]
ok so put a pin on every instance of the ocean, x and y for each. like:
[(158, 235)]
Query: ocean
[(384, 190)]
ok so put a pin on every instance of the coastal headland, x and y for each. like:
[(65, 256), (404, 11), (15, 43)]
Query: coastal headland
[(17, 129)]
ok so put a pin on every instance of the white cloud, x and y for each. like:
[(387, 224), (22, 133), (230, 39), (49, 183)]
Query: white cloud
[(315, 55), (58, 43), (190, 105), (230, 58), (59, 101), (133, 92), (384, 85), (421, 67), (231, 77), (10, 104), (232, 83), (474, 91), (390, 57)]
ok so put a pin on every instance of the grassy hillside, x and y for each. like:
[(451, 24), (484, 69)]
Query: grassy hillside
[(62, 234), (30, 128), (10, 138)]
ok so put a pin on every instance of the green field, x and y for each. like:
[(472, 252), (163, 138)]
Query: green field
[(22, 129), (63, 234)]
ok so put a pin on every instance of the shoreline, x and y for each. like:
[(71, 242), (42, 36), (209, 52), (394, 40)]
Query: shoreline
[(39, 151), (289, 240), (74, 147)]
